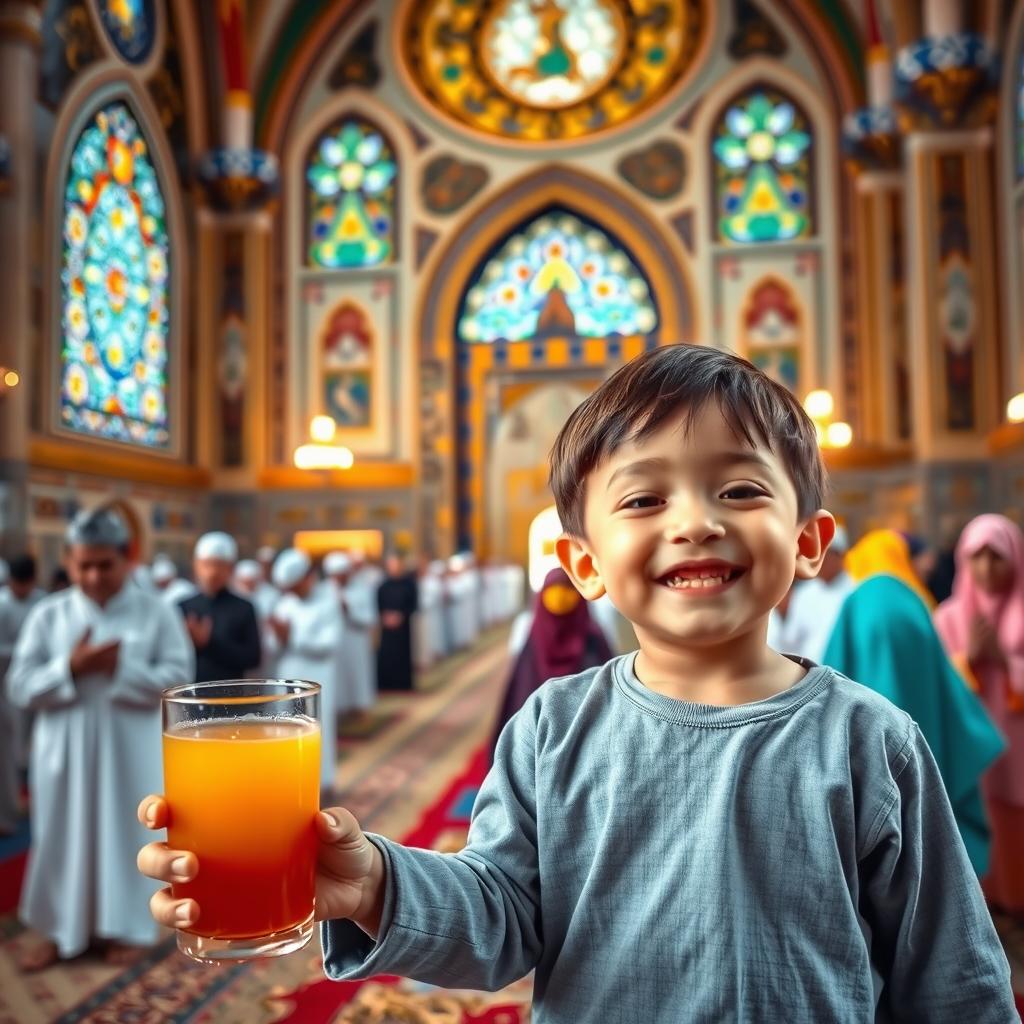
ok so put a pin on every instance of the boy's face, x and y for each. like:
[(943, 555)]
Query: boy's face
[(694, 536)]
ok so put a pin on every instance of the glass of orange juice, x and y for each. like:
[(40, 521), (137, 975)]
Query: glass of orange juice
[(242, 783)]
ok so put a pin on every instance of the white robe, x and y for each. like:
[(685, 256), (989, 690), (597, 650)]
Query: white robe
[(355, 661), (431, 615), (176, 591), (96, 752), (813, 611), (14, 722), (310, 653)]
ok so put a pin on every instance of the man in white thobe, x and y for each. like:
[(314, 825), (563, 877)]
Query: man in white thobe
[(305, 633), (172, 588), (266, 595), (356, 679), (815, 604), (431, 614), (91, 662), (17, 599)]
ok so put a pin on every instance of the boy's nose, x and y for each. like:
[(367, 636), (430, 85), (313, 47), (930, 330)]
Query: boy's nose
[(693, 523)]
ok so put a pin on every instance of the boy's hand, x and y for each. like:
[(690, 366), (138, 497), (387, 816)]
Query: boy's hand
[(349, 871)]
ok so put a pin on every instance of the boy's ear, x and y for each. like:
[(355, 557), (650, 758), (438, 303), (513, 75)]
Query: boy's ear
[(581, 566), (812, 542)]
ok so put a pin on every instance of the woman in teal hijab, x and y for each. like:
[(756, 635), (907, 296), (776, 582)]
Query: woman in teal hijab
[(884, 638)]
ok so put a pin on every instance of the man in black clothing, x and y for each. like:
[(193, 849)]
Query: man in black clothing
[(222, 625)]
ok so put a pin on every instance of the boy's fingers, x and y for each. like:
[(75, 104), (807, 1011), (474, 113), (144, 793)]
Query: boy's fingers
[(156, 861), (335, 823), (172, 913), (152, 812)]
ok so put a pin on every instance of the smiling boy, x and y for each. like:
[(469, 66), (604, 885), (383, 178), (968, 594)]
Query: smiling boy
[(705, 830)]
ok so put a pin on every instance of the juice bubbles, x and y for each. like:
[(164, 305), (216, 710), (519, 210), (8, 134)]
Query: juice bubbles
[(243, 796)]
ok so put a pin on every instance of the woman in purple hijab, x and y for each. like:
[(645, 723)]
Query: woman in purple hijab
[(564, 639)]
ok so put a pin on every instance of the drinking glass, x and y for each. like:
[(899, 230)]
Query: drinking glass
[(242, 782)]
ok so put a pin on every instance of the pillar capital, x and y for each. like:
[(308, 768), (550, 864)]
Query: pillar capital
[(21, 21), (946, 82)]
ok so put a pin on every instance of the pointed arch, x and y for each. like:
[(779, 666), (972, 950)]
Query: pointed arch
[(461, 382), (113, 221), (557, 274)]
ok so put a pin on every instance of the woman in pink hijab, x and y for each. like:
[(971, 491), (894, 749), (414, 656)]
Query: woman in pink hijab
[(982, 628)]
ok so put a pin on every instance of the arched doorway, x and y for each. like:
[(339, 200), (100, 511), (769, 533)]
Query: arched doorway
[(517, 466), (463, 385)]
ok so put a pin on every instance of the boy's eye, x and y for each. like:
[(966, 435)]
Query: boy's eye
[(642, 501), (743, 492)]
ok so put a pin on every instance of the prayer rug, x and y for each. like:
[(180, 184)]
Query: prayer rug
[(367, 725)]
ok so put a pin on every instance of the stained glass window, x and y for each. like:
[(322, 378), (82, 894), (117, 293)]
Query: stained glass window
[(1020, 117), (114, 286), (351, 199), (763, 179), (557, 276)]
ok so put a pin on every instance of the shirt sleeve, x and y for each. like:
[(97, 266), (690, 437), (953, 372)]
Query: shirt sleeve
[(470, 919), (933, 941), (38, 678), (139, 680)]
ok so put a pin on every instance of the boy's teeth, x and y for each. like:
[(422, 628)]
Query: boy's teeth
[(690, 583)]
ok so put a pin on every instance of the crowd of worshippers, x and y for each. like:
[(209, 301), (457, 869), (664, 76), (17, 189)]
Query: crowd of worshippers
[(939, 634), (84, 668)]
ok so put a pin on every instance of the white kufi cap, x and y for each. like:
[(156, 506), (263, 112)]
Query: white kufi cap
[(336, 563), (267, 553), (290, 568), (163, 570), (248, 569), (217, 545)]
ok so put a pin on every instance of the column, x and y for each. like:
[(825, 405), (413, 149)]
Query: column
[(20, 40), (946, 97)]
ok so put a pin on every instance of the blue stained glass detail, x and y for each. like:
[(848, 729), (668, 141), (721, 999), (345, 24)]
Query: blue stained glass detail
[(114, 286)]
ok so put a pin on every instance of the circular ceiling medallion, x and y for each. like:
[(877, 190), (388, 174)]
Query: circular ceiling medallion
[(547, 70), (549, 55)]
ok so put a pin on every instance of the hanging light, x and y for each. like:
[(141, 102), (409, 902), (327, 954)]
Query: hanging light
[(838, 435), (818, 404), (1015, 408), (9, 378), (320, 453)]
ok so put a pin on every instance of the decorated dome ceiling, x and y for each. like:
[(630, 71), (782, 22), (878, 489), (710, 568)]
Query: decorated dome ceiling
[(546, 70)]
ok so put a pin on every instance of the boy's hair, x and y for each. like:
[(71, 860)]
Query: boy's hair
[(638, 398)]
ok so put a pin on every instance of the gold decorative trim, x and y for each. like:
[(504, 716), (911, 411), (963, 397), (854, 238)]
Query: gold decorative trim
[(366, 474), (1007, 437), (82, 458), (866, 457)]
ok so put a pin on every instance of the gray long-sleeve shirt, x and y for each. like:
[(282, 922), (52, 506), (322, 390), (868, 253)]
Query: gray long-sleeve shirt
[(669, 862)]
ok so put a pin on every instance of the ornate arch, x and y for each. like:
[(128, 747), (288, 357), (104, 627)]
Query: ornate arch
[(95, 90), (461, 385)]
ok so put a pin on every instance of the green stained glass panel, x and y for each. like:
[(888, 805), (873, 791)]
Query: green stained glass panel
[(351, 174), (763, 174)]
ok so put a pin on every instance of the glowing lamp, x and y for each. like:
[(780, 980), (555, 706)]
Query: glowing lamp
[(818, 404), (1015, 408)]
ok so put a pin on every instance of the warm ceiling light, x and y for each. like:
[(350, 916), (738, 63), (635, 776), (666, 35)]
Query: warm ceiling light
[(1015, 408), (322, 429), (323, 456), (11, 379), (838, 434), (818, 404)]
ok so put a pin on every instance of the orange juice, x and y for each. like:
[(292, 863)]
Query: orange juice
[(243, 796)]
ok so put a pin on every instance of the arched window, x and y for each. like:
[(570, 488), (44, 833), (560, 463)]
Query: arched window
[(763, 182), (351, 175), (114, 286), (557, 275)]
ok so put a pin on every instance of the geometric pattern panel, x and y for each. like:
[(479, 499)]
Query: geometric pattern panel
[(543, 70), (351, 173), (763, 181), (557, 276), (114, 286)]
